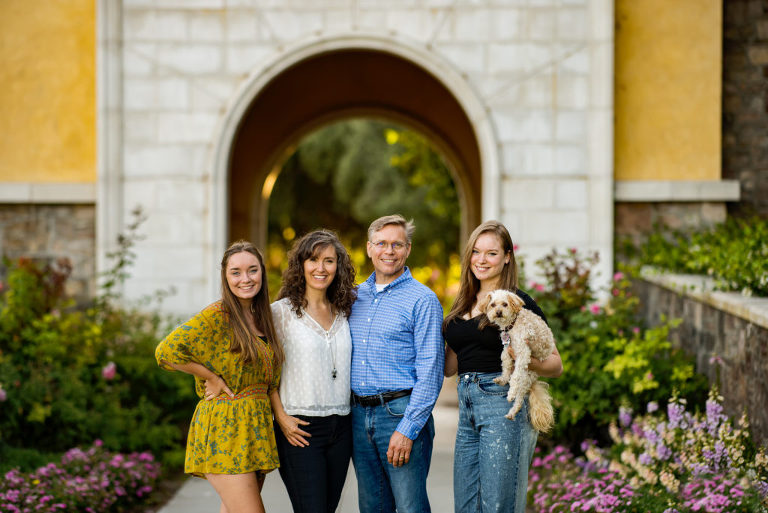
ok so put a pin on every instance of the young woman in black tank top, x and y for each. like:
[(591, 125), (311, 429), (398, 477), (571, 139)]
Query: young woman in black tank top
[(492, 453)]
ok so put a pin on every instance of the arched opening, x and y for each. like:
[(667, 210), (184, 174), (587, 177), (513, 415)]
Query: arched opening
[(335, 85)]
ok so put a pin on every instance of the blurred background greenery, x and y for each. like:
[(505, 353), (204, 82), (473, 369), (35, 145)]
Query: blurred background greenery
[(346, 174)]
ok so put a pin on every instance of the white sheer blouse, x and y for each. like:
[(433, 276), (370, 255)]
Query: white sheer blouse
[(312, 354)]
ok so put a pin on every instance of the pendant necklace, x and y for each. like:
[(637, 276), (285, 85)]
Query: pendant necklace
[(333, 355)]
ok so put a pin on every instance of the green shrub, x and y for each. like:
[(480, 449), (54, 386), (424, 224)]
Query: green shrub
[(609, 358), (70, 376), (734, 253)]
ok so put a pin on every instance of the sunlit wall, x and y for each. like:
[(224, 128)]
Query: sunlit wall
[(47, 97)]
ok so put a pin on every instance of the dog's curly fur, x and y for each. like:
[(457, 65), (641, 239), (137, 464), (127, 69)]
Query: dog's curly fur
[(529, 336)]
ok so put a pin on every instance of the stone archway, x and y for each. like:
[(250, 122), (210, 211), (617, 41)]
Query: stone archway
[(337, 78)]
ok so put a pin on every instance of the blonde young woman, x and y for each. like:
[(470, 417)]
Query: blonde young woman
[(492, 453), (231, 349)]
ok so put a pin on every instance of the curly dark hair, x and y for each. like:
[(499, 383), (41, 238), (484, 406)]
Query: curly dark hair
[(342, 291)]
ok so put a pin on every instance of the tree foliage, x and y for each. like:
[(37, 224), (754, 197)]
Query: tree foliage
[(346, 174)]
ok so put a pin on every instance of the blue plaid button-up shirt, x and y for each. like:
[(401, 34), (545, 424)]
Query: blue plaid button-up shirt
[(397, 344)]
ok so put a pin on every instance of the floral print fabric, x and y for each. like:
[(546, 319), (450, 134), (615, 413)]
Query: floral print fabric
[(226, 436)]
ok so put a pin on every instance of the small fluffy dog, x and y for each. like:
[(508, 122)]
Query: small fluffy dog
[(529, 336)]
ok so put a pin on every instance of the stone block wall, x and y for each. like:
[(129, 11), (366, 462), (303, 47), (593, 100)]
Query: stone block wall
[(636, 220), (540, 74), (706, 331), (745, 101), (49, 232)]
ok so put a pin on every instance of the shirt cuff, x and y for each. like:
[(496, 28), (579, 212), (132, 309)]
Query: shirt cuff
[(409, 428)]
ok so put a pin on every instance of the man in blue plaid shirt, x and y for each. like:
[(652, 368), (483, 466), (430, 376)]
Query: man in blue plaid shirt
[(397, 372)]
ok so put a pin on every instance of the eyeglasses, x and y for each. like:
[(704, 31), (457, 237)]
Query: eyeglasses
[(382, 245)]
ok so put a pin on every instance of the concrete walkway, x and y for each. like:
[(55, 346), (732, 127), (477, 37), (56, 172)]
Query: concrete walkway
[(197, 496)]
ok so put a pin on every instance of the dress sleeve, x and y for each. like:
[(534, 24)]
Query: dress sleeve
[(187, 343), (275, 383)]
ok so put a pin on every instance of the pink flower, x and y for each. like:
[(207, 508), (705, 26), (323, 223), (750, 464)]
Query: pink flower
[(515, 247), (615, 292), (716, 359), (636, 330), (618, 276), (3, 395), (594, 308), (109, 370)]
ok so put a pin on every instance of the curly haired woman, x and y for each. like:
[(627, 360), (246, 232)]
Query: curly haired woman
[(312, 411)]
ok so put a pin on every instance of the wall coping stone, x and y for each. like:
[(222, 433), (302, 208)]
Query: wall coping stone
[(703, 288), (33, 192), (677, 190)]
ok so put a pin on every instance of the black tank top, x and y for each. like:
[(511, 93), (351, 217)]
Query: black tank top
[(479, 350)]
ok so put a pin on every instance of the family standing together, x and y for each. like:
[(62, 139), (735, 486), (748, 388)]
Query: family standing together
[(332, 371)]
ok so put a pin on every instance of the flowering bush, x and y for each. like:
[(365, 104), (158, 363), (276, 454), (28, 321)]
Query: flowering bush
[(89, 481), (68, 376), (609, 358), (680, 463)]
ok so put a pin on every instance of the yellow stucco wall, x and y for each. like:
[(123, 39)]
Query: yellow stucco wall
[(47, 91), (668, 65)]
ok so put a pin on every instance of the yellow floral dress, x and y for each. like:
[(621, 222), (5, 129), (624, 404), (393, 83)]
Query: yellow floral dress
[(226, 436)]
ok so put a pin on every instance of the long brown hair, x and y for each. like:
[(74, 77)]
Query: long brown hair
[(342, 290), (469, 285), (243, 336)]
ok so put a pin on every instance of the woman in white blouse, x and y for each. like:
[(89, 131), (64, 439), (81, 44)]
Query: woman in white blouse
[(311, 409)]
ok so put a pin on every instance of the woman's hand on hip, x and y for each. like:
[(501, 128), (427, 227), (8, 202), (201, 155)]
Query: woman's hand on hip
[(214, 388)]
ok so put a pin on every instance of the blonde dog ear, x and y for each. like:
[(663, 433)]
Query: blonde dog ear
[(483, 304), (516, 301)]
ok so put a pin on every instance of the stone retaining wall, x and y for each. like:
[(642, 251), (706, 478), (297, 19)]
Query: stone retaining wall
[(48, 232), (739, 337)]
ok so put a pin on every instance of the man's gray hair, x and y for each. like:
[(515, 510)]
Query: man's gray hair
[(395, 219)]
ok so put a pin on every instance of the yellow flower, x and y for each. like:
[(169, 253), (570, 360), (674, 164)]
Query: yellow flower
[(36, 482)]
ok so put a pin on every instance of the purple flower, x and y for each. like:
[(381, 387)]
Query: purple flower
[(625, 416), (3, 394), (645, 459), (675, 414), (714, 416), (663, 452), (653, 406)]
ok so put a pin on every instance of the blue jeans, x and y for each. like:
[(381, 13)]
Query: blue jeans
[(493, 453), (381, 487), (314, 475)]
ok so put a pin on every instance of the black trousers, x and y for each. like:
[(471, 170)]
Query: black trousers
[(314, 476)]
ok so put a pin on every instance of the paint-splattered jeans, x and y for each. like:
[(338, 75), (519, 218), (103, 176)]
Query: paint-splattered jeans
[(493, 454)]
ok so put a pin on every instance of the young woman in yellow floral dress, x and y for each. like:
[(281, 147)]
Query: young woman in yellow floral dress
[(231, 349)]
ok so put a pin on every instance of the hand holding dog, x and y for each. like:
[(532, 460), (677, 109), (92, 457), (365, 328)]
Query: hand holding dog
[(551, 367)]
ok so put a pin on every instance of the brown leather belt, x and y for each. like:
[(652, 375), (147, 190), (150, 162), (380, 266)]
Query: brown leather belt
[(378, 399)]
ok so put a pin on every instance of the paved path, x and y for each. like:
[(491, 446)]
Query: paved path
[(197, 496)]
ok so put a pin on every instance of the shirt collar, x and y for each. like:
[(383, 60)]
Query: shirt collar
[(371, 281)]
